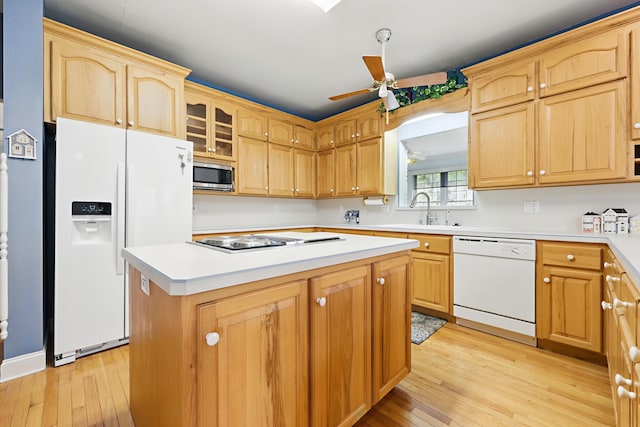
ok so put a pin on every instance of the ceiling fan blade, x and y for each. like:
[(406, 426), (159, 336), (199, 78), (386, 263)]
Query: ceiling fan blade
[(374, 64), (348, 94), (424, 80)]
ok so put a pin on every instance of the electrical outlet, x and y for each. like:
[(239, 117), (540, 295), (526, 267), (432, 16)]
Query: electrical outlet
[(144, 284), (531, 207)]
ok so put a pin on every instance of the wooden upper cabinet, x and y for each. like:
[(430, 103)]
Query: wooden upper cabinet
[(369, 126), (503, 87), (324, 137), (211, 126), (326, 176), (501, 150), (86, 84), (634, 82), (369, 167), (280, 170), (345, 170), (199, 123), (304, 170), (280, 132), (252, 125), (92, 79), (303, 138), (594, 60), (155, 101), (582, 135), (252, 172), (256, 374), (344, 132)]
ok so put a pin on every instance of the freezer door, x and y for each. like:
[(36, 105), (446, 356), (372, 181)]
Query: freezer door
[(159, 189), (89, 300)]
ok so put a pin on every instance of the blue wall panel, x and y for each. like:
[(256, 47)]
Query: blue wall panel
[(23, 109)]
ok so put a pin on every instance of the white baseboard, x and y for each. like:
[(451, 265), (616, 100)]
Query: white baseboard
[(22, 365)]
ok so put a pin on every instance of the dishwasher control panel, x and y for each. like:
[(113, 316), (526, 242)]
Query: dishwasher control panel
[(495, 247)]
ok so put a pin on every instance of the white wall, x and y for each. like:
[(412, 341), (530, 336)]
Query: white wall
[(238, 212), (560, 209)]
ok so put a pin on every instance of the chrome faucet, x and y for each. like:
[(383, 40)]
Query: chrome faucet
[(413, 204)]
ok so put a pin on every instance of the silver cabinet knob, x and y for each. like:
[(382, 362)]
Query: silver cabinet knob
[(529, 173), (636, 125), (623, 392), (634, 354), (130, 122), (426, 244), (620, 380), (543, 85), (212, 338), (546, 280), (380, 280), (119, 121), (543, 172), (353, 188), (331, 190), (322, 301), (570, 257), (266, 134), (530, 89), (606, 305), (607, 264)]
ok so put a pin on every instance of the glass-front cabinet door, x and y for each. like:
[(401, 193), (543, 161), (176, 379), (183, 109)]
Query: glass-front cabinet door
[(225, 131), (198, 111)]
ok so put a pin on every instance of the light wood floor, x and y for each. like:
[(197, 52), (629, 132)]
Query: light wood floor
[(460, 377)]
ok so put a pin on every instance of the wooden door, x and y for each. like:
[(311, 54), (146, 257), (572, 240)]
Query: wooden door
[(391, 324), (369, 167), (634, 83), (304, 138), (256, 373), (431, 281), (280, 132), (585, 63), (252, 125), (280, 170), (501, 149), (340, 347), (503, 87), (344, 132), (155, 101), (86, 84), (198, 123), (304, 173), (224, 131), (345, 167), (324, 137), (582, 135), (369, 126), (252, 166), (570, 307), (326, 178)]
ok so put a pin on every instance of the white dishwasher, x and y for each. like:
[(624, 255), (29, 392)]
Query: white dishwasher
[(494, 286)]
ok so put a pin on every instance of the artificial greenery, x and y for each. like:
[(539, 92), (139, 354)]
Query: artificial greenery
[(408, 96)]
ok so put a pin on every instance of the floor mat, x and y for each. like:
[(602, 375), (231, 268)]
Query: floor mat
[(423, 326)]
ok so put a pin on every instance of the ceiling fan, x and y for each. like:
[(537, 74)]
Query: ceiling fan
[(385, 82)]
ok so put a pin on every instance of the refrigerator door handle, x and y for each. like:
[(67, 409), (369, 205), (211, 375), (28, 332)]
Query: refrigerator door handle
[(120, 231)]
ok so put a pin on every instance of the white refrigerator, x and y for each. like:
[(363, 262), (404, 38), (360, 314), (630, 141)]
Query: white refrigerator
[(114, 188)]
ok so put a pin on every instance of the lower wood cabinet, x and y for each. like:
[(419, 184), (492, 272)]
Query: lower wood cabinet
[(253, 361), (312, 348), (431, 272), (568, 293), (340, 347)]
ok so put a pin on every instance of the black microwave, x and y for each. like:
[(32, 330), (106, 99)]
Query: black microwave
[(213, 176)]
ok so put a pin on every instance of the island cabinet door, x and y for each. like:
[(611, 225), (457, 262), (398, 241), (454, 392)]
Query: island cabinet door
[(391, 324), (340, 347), (252, 359)]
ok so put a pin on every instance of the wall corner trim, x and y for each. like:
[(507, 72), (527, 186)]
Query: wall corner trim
[(23, 365)]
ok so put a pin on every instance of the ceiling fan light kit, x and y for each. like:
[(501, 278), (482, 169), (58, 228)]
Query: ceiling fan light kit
[(384, 82)]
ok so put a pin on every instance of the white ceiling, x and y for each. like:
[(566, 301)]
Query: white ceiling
[(291, 55)]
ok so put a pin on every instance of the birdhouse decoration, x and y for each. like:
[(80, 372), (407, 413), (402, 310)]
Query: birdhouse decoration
[(615, 220)]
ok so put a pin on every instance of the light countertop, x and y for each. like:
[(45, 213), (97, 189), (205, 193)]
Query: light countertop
[(626, 247), (186, 268)]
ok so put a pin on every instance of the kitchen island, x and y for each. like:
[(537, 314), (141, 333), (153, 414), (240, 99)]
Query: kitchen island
[(310, 334)]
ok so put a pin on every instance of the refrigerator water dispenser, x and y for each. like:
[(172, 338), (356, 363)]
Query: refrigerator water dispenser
[(91, 223)]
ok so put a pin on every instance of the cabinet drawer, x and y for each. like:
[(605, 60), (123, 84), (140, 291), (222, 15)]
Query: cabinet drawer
[(628, 306), (572, 255), (431, 243), (393, 234)]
